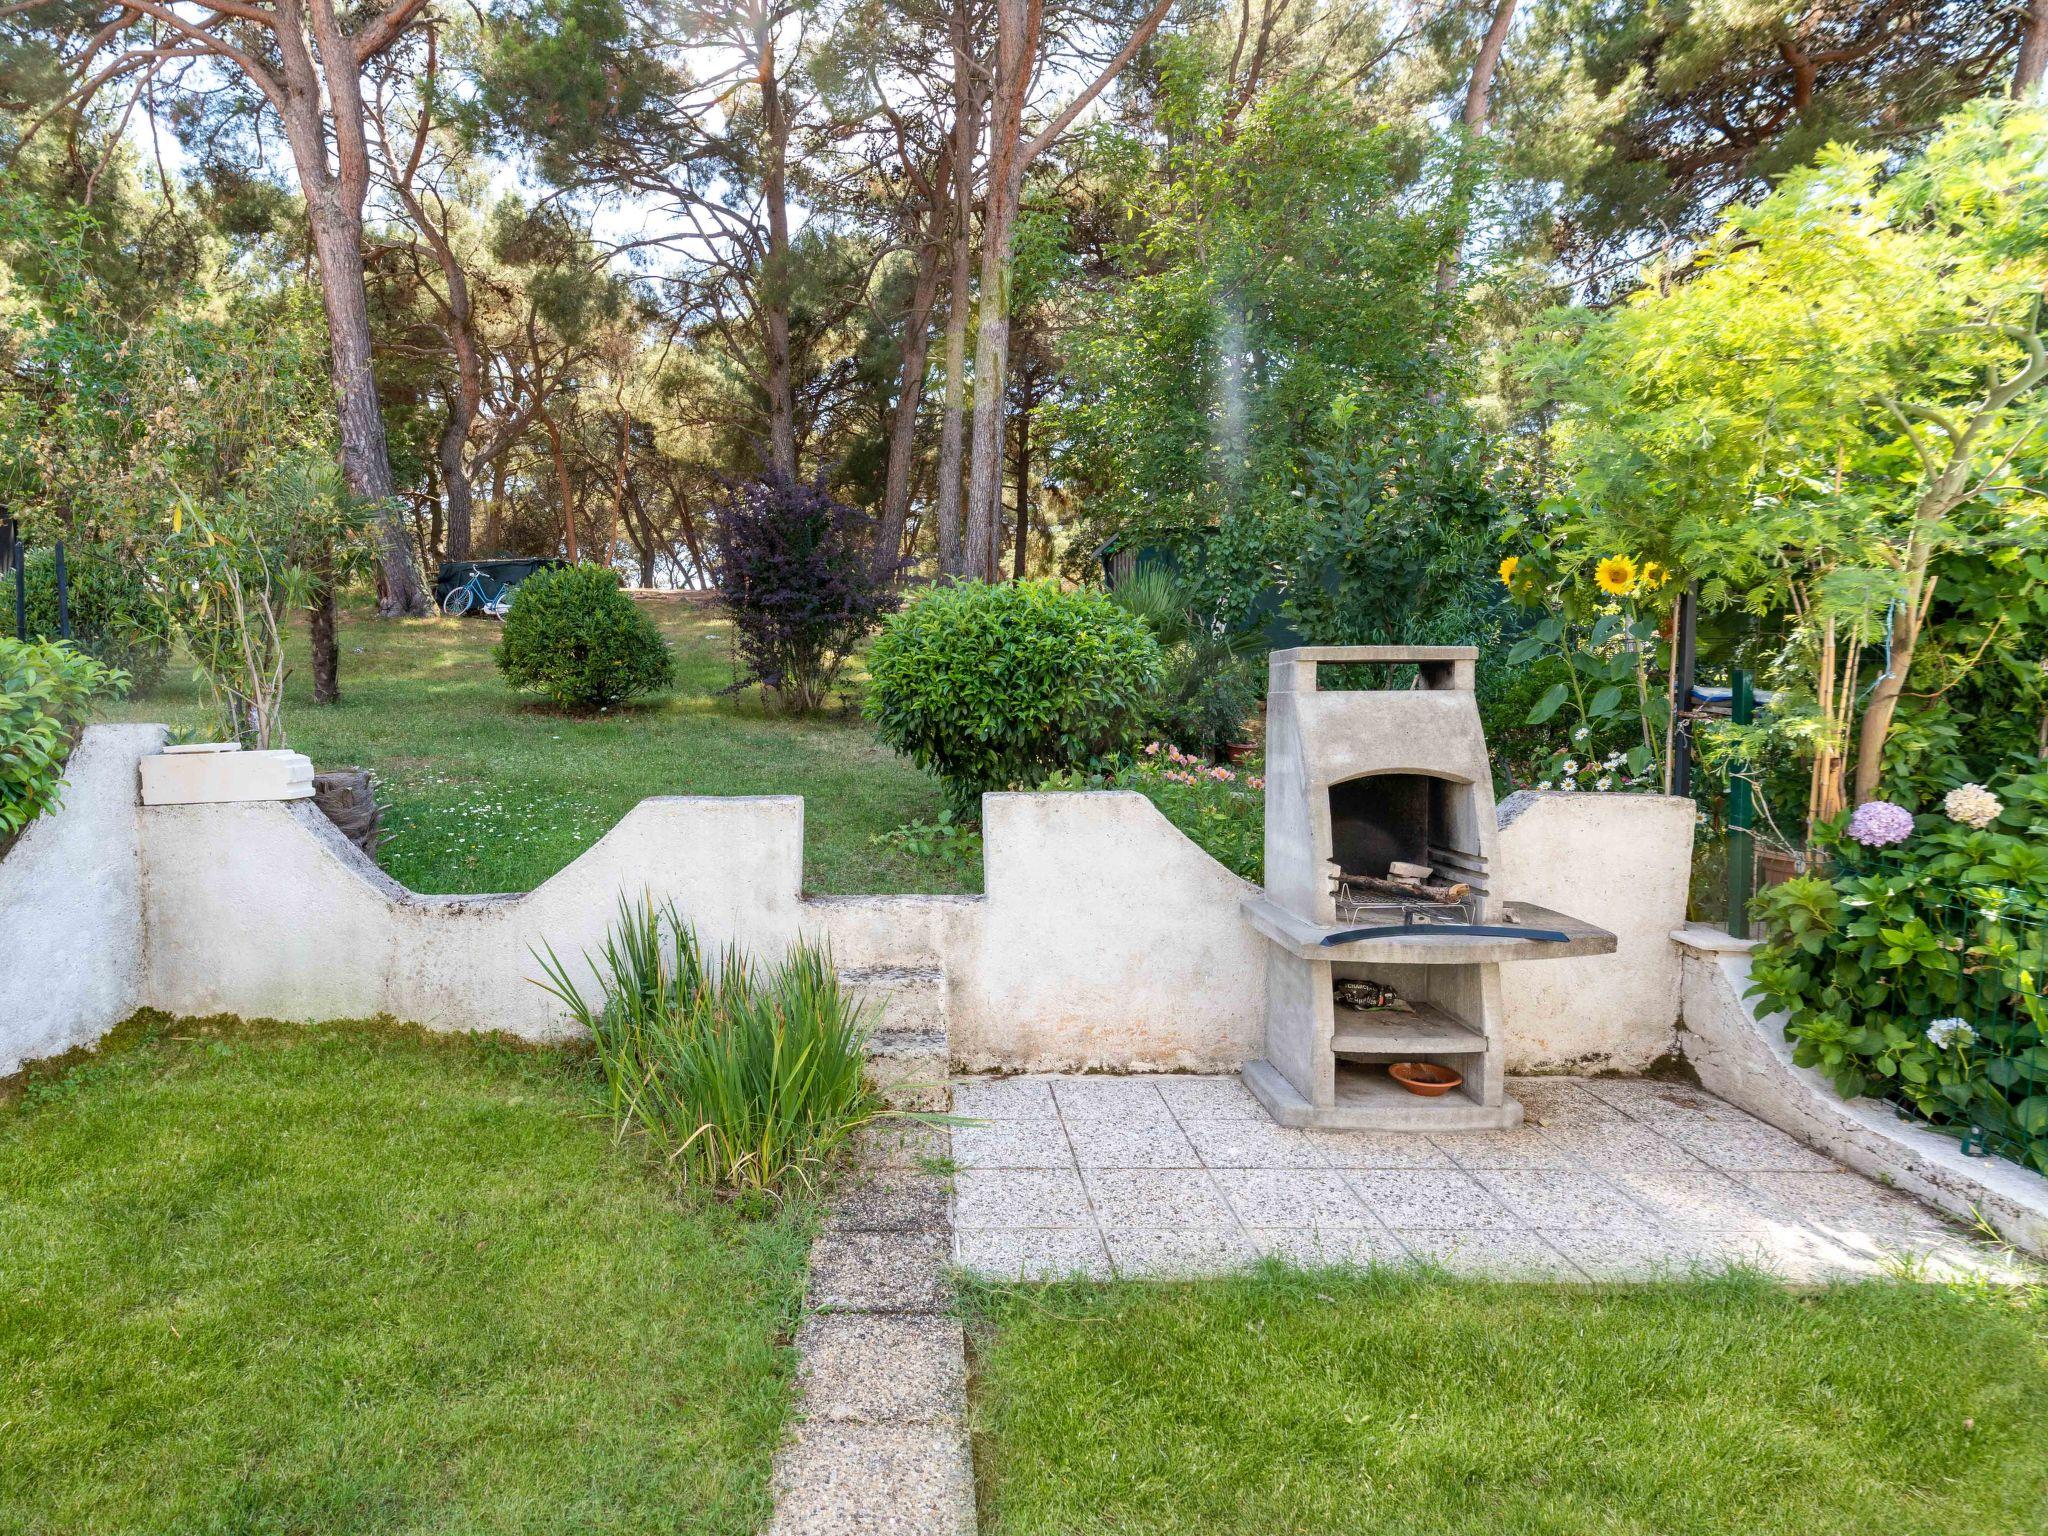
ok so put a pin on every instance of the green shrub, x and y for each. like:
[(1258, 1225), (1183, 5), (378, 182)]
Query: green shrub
[(113, 619), (1878, 964), (575, 637), (44, 690), (741, 1076), (1210, 677), (996, 687)]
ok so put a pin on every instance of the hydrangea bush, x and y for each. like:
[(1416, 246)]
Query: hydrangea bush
[(1915, 971)]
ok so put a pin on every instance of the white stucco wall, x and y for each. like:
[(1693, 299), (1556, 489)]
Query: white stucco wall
[(1106, 940), (71, 905), (1622, 862), (1744, 1057)]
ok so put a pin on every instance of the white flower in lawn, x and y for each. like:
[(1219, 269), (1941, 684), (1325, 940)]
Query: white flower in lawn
[(1947, 1032), (1973, 805)]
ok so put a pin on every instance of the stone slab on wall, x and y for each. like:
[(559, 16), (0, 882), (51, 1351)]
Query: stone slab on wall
[(1745, 1058), (71, 941), (1623, 862)]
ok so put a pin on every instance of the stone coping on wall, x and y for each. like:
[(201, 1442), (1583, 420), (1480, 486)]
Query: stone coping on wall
[(1746, 1058)]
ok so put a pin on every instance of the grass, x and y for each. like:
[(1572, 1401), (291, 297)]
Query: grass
[(367, 1280), (1379, 1404), (488, 791)]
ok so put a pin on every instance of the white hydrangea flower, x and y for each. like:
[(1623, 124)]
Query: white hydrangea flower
[(1973, 805), (1947, 1032)]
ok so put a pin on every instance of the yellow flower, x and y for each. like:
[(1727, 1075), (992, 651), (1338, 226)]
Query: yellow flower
[(1653, 576), (1508, 567), (1616, 575)]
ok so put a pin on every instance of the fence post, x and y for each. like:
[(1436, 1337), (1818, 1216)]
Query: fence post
[(63, 594), (11, 560), (1741, 812), (1684, 649)]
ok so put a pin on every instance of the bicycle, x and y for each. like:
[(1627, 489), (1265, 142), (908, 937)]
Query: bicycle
[(472, 593)]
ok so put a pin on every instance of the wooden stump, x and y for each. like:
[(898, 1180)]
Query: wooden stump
[(350, 802)]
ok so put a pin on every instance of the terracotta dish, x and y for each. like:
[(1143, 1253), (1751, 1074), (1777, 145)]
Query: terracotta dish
[(1425, 1078)]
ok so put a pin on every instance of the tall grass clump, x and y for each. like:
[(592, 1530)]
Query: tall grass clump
[(741, 1075)]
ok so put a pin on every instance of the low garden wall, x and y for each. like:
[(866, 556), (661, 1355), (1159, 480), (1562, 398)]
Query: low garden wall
[(1105, 940), (71, 948)]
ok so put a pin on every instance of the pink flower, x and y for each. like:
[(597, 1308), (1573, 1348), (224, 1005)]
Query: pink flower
[(1256, 783), (1151, 749), (1221, 774)]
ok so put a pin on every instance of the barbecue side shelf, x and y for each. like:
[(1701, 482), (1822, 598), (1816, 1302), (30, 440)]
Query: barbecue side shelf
[(1308, 940)]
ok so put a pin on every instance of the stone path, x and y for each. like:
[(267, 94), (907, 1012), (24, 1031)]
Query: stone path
[(1609, 1179), (879, 1443)]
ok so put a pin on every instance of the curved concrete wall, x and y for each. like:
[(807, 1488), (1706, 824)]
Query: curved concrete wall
[(1105, 940), (71, 939)]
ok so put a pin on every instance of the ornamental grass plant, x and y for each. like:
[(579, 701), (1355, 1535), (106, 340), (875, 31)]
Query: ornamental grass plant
[(742, 1076)]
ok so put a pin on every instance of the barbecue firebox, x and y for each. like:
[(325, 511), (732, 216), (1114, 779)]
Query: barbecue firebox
[(1386, 935)]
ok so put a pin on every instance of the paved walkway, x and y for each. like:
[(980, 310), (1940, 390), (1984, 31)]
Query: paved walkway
[(1609, 1179)]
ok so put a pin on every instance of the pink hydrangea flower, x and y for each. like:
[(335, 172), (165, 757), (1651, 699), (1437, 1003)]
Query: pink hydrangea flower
[(1881, 824)]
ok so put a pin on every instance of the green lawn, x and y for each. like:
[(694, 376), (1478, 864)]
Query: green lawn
[(364, 1280), (1376, 1404), (490, 792)]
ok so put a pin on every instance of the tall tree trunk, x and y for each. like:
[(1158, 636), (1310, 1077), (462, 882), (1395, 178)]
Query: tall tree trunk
[(563, 491), (494, 512), (1023, 487), (456, 496), (775, 281), (909, 398), (1478, 108), (1015, 38), (2032, 67), (953, 421)]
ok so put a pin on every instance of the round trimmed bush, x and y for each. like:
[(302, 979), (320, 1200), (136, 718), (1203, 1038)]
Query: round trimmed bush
[(997, 687), (113, 619), (574, 637)]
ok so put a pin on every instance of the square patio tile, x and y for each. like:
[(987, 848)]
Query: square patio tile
[(1004, 1098), (1019, 1197), (1422, 1197), (861, 1368), (1181, 1198), (1707, 1202), (889, 1200), (1013, 1144), (1654, 1254), (1626, 1145), (1112, 1144), (1210, 1098), (898, 1144), (1378, 1149), (1559, 1103), (1748, 1147), (1292, 1197), (1041, 1253), (1504, 1253), (1178, 1252), (1525, 1147), (1252, 1144), (1549, 1198), (1850, 1208), (874, 1480), (1318, 1247), (1133, 1101), (879, 1272)]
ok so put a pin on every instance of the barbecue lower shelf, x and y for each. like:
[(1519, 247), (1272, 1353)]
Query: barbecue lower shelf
[(1423, 1029), (1369, 1100)]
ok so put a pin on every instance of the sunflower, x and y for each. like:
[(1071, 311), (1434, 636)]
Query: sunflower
[(1508, 567), (1616, 575), (1653, 576)]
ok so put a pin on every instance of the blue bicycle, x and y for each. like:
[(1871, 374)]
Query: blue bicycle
[(474, 593)]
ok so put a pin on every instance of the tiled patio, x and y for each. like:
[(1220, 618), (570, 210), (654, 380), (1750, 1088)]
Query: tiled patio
[(1609, 1179)]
